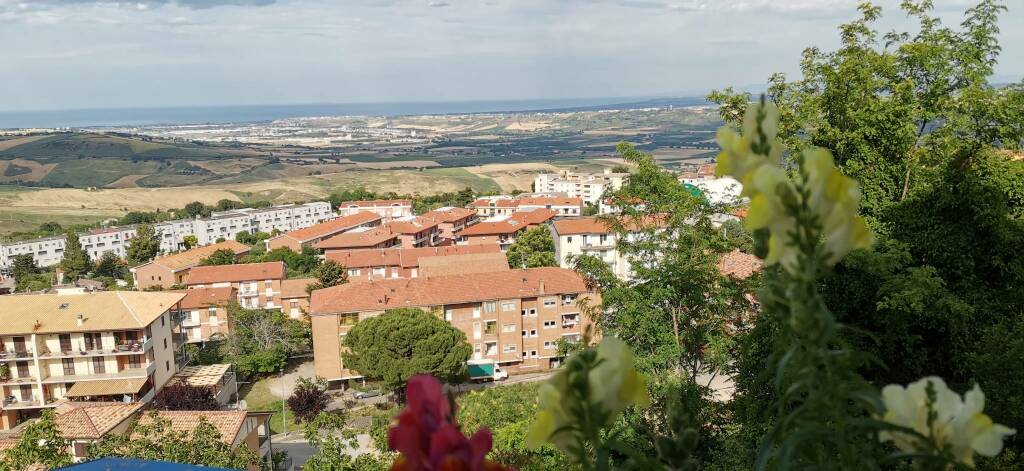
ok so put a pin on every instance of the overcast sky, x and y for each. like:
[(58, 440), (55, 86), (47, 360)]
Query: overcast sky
[(60, 54)]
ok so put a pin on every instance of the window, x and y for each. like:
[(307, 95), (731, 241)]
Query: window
[(568, 298), (569, 239), (477, 330), (490, 306), (550, 324), (491, 327), (353, 272), (348, 319), (378, 271), (550, 302), (65, 342), (167, 365), (509, 348), (98, 365), (550, 345), (69, 366), (294, 304), (508, 306), (533, 353), (476, 312), (165, 344), (448, 314), (490, 348), (268, 284), (163, 322)]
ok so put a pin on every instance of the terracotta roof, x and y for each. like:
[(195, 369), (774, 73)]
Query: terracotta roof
[(196, 298), (463, 264), (404, 257), (192, 257), (227, 422), (354, 239), (92, 420), (374, 203), (332, 227), (738, 264), (574, 226), (449, 214), (512, 224), (550, 200), (416, 292), (494, 202), (106, 387), (296, 288), (236, 273), (204, 375), (104, 310), (412, 225), (739, 212)]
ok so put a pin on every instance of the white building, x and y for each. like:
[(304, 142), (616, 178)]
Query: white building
[(46, 251), (587, 186), (588, 236), (504, 205), (387, 209), (96, 242)]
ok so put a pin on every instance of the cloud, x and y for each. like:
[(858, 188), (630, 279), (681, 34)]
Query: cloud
[(145, 4), (438, 4)]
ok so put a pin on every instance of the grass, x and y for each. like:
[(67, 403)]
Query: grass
[(21, 220), (258, 397), (464, 177), (96, 172)]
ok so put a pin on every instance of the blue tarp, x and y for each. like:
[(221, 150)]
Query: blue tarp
[(119, 464)]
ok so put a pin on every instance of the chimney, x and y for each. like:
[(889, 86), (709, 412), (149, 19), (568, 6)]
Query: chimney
[(81, 319), (542, 286)]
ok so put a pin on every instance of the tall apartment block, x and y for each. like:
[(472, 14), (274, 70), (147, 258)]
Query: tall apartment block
[(587, 186)]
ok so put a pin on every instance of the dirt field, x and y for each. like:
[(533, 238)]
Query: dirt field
[(512, 176), (529, 125), (38, 170), (127, 181)]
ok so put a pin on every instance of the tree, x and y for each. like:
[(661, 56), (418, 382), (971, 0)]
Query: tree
[(75, 262), (262, 339), (220, 257), (226, 204), (405, 342), (50, 228), (534, 248), (251, 238), (183, 396), (299, 264), (334, 446), (155, 439), (195, 209), (40, 444), (327, 274), (309, 398), (110, 265), (24, 266), (144, 246), (190, 241)]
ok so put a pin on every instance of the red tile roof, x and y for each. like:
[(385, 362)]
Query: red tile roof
[(332, 227), (739, 265), (514, 202), (418, 292), (228, 423), (197, 298), (463, 264), (92, 420), (412, 225), (510, 225), (589, 225), (449, 214), (357, 239), (236, 273), (374, 203), (296, 288), (192, 257), (404, 257)]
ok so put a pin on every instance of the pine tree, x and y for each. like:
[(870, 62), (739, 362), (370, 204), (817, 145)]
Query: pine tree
[(144, 246), (76, 261)]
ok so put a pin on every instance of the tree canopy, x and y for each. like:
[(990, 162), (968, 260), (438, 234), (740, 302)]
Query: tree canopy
[(261, 340), (144, 246), (534, 248), (75, 261), (220, 257)]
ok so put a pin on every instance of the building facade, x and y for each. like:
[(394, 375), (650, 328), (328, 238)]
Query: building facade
[(202, 315), (382, 264), (503, 230), (504, 205), (387, 209), (170, 270), (587, 186), (306, 237), (258, 285)]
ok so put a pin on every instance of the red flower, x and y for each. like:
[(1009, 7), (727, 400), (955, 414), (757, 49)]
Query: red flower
[(429, 440)]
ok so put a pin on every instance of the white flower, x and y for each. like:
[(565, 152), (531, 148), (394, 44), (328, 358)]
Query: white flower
[(959, 425)]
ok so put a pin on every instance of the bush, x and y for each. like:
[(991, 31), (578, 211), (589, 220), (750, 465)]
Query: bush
[(309, 398)]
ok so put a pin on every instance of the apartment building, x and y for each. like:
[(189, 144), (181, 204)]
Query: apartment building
[(503, 205), (588, 236), (503, 230), (587, 186), (258, 285), (237, 428), (308, 236), (76, 345), (416, 231), (379, 237), (46, 251), (170, 270), (172, 234), (379, 264), (294, 298), (451, 220), (96, 242), (202, 315), (514, 317), (387, 209)]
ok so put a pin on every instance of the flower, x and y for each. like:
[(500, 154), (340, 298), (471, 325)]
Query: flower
[(834, 197), (614, 382), (959, 425), (551, 415), (428, 439)]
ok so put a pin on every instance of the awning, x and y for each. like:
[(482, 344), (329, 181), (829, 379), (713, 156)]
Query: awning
[(106, 387)]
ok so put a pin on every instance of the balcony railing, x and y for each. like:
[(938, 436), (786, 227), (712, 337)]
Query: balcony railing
[(9, 380), (15, 402), (123, 348), (15, 354), (136, 372)]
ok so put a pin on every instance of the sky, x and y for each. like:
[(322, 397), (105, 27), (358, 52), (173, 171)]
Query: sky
[(70, 54)]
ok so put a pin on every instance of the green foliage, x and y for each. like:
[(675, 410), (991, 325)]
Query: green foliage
[(110, 265), (534, 248), (190, 241), (420, 204), (401, 343), (75, 262), (299, 264), (333, 444), (252, 239), (327, 274), (156, 440), (195, 209), (144, 246), (207, 353), (262, 339), (220, 257), (40, 444), (28, 276)]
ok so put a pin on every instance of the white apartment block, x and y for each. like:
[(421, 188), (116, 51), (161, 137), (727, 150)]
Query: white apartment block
[(387, 209), (505, 205), (48, 251), (587, 186), (588, 236)]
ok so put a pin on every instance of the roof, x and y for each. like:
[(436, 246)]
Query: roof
[(235, 273), (203, 375), (106, 387), (463, 263), (374, 203), (574, 226), (412, 225), (192, 257), (92, 420), (126, 464), (332, 227), (227, 422), (512, 224), (404, 257), (550, 200), (739, 265), (205, 297), (103, 310), (449, 214), (354, 239), (296, 288), (452, 289)]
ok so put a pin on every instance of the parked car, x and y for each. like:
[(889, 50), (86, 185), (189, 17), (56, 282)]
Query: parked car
[(367, 394)]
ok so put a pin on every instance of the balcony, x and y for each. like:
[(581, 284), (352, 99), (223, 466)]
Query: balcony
[(570, 321), (139, 372), (14, 402), (124, 348), (15, 355), (598, 245), (17, 381)]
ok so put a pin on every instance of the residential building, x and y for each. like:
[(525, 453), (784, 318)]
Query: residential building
[(258, 285), (416, 231), (237, 428), (451, 220), (294, 298), (112, 344), (587, 186), (379, 237), (505, 205), (514, 317), (306, 237), (202, 314), (172, 234), (46, 251), (83, 423), (463, 264), (220, 378), (387, 209), (588, 236), (503, 230), (365, 265), (170, 270), (96, 242)]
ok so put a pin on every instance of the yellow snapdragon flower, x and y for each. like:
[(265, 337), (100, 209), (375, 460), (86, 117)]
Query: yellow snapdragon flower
[(959, 424), (551, 415)]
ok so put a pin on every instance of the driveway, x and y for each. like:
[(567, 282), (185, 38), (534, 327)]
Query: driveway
[(282, 386)]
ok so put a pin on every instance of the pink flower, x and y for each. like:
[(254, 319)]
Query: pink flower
[(427, 437)]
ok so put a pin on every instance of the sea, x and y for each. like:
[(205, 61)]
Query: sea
[(106, 117)]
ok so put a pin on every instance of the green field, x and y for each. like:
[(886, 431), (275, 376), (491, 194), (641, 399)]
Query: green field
[(96, 172)]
